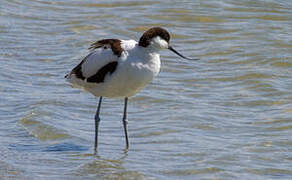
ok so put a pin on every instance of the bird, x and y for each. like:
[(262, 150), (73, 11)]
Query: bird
[(117, 68)]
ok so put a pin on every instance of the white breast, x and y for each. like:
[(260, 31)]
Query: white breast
[(133, 73)]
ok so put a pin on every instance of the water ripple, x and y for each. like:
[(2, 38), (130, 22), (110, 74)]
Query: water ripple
[(227, 116)]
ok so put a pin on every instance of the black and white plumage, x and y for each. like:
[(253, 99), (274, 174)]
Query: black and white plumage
[(120, 68)]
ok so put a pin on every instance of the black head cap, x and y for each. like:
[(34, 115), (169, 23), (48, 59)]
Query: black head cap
[(151, 33)]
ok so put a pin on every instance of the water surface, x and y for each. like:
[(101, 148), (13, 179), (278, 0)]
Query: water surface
[(227, 116)]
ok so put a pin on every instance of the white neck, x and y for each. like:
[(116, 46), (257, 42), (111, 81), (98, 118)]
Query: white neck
[(149, 52)]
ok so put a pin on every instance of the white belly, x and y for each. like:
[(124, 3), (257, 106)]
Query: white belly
[(128, 79)]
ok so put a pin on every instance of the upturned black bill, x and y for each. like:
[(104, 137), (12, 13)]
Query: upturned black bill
[(173, 50)]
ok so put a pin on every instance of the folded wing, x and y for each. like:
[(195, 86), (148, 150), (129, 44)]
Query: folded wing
[(102, 60)]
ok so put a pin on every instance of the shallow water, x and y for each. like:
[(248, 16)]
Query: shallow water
[(227, 116)]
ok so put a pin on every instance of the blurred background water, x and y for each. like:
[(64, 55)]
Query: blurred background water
[(227, 116)]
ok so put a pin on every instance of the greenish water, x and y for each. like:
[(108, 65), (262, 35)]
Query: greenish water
[(227, 116)]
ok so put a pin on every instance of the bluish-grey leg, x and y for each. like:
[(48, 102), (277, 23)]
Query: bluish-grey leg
[(125, 122), (97, 120)]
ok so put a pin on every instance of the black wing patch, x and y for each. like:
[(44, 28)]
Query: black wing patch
[(78, 69), (114, 44), (100, 75), (78, 72)]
